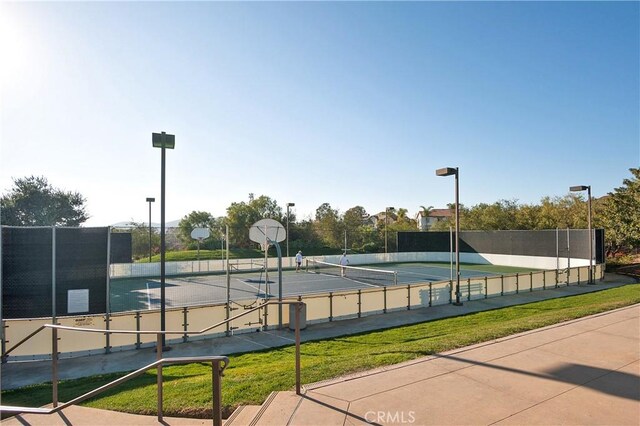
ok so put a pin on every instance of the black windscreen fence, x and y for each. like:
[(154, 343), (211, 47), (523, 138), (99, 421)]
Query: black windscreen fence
[(121, 248), (27, 271), (547, 243)]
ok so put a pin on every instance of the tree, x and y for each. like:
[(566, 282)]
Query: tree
[(621, 215), (140, 239), (358, 234), (34, 202), (199, 219), (240, 217), (329, 226)]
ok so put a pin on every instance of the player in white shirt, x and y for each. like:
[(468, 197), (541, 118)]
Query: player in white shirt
[(298, 260)]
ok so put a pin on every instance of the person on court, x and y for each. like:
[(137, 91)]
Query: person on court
[(298, 260), (344, 262)]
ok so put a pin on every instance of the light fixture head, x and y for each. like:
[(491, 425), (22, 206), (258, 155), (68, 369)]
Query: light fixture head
[(578, 188), (151, 200), (446, 171), (163, 140)]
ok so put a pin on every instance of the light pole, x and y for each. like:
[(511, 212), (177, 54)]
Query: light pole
[(288, 205), (164, 142), (386, 222), (588, 188), (150, 200), (448, 171)]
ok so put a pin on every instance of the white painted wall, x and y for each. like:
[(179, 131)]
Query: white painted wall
[(207, 266)]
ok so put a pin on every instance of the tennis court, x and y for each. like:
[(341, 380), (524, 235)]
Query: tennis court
[(132, 294)]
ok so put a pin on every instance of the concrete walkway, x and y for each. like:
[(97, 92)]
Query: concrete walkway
[(585, 371), (588, 367)]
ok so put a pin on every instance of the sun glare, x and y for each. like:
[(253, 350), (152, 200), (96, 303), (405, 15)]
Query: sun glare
[(14, 48)]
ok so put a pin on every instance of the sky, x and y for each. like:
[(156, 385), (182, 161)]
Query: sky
[(346, 103)]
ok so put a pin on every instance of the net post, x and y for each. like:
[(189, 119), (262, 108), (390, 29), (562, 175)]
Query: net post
[(395, 277)]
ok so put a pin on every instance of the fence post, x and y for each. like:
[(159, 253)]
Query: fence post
[(298, 309), (159, 374), (54, 366), (486, 288), (108, 293), (330, 306), (408, 297), (266, 316), (359, 303), (3, 324), (384, 292), (107, 335), (468, 289), (530, 281), (501, 285), (430, 295), (137, 329), (544, 280), (517, 283), (217, 393), (185, 324)]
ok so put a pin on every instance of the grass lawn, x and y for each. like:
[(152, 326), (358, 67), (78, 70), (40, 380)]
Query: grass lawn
[(252, 376)]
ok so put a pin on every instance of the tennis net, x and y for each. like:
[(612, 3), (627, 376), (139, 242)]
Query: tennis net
[(379, 277)]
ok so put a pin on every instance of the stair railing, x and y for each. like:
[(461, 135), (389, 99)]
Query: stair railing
[(158, 364)]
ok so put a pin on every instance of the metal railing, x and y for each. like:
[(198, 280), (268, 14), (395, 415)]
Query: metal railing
[(215, 361)]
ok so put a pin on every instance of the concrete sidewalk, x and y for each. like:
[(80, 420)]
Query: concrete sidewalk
[(585, 371)]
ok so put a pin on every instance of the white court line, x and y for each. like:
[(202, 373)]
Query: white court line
[(347, 278), (252, 286), (148, 296)]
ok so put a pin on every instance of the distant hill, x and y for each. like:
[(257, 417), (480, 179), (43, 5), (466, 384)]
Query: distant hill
[(127, 224)]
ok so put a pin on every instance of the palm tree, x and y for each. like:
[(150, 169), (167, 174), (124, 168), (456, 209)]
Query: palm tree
[(425, 213)]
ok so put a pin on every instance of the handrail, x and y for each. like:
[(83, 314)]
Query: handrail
[(217, 404), (166, 332), (215, 364)]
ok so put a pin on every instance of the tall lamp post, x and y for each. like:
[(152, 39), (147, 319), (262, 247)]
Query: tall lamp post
[(164, 142), (588, 189), (448, 171), (386, 224), (150, 200), (288, 205)]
